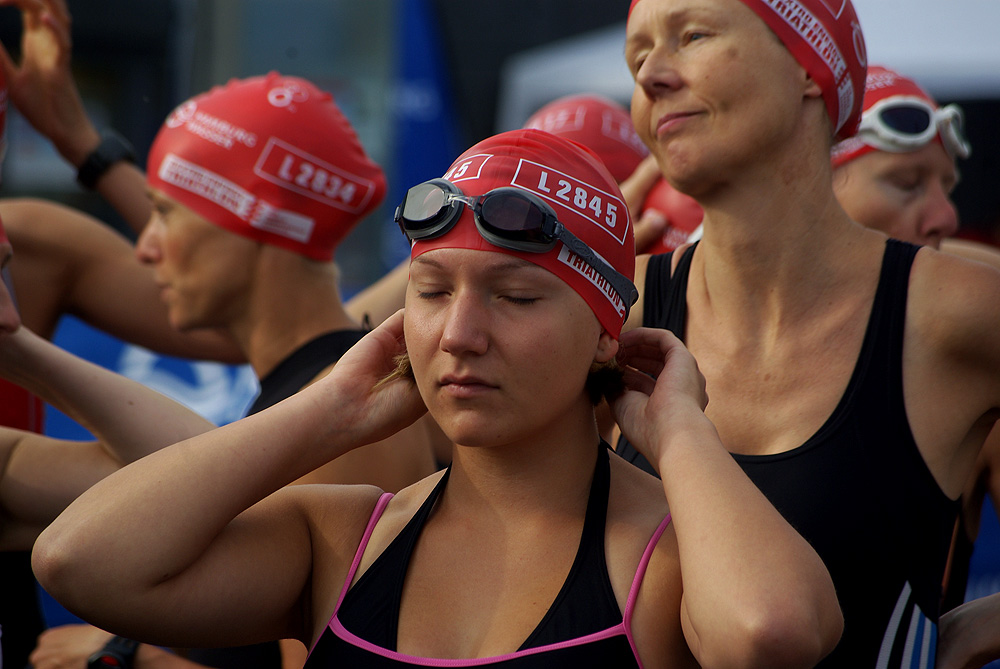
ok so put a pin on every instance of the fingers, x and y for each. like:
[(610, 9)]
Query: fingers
[(637, 186), (648, 229)]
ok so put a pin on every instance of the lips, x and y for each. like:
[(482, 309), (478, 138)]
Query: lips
[(464, 386), (669, 122)]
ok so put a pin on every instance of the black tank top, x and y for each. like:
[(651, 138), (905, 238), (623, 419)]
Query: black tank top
[(584, 628), (858, 490)]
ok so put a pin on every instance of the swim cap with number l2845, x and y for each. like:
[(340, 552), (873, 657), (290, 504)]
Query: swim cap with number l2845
[(584, 195)]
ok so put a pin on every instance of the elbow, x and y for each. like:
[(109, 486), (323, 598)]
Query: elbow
[(795, 636), (50, 562), (792, 637), (790, 640), (58, 567)]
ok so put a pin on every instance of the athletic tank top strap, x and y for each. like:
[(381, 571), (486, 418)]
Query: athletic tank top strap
[(370, 609), (383, 501), (887, 323), (665, 297)]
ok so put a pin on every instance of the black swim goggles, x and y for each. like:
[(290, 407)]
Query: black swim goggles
[(907, 123), (507, 217)]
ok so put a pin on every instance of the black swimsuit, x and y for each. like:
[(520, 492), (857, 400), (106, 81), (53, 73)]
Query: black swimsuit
[(584, 626), (858, 490)]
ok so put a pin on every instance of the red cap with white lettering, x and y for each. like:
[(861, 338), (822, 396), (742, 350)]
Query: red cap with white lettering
[(600, 124), (825, 38), (271, 158), (682, 212), (578, 187)]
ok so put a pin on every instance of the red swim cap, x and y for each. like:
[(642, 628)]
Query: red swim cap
[(599, 123), (825, 38), (271, 158), (578, 187), (682, 212)]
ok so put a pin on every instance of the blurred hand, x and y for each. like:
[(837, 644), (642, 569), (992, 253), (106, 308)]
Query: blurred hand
[(649, 225), (41, 86), (67, 647)]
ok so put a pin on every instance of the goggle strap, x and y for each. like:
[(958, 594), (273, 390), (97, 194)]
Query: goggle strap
[(626, 289)]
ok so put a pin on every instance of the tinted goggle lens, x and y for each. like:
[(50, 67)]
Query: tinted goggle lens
[(908, 120), (513, 217)]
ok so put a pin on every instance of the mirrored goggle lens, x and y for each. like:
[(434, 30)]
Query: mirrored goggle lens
[(514, 217), (906, 120), (422, 205)]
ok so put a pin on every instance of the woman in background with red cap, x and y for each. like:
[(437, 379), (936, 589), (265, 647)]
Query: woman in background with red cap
[(854, 378), (535, 548)]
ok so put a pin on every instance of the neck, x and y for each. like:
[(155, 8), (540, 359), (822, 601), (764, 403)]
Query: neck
[(293, 301), (776, 247), (548, 473)]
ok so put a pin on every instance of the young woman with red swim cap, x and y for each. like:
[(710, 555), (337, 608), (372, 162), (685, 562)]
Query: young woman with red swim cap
[(536, 547), (853, 377)]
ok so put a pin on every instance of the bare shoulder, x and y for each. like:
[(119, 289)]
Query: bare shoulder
[(637, 506), (636, 510), (972, 250), (954, 302), (339, 516)]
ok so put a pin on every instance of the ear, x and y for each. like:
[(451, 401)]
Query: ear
[(607, 347), (811, 89)]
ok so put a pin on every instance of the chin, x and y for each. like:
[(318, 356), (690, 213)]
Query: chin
[(475, 431)]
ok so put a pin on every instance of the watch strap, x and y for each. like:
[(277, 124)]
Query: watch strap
[(113, 149), (118, 653)]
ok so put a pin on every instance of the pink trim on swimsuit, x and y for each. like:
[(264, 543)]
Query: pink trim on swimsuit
[(623, 628)]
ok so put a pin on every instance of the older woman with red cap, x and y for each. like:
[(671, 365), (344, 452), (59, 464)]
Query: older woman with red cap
[(853, 377), (535, 547)]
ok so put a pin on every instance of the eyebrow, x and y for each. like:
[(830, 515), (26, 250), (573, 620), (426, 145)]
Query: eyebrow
[(510, 263)]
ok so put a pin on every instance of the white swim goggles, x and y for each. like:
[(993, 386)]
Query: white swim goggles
[(906, 123)]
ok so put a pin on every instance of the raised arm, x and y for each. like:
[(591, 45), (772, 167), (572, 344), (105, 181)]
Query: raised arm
[(66, 262), (200, 560), (40, 476), (754, 592), (130, 418), (42, 88)]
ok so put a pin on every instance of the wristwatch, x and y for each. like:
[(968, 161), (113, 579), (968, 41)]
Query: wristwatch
[(113, 149), (119, 653)]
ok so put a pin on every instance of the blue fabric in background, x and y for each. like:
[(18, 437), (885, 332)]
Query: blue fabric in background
[(427, 136)]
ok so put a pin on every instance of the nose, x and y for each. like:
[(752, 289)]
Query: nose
[(147, 247), (465, 329), (657, 75), (940, 216)]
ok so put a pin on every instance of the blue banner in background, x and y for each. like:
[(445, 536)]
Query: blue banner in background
[(427, 138)]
